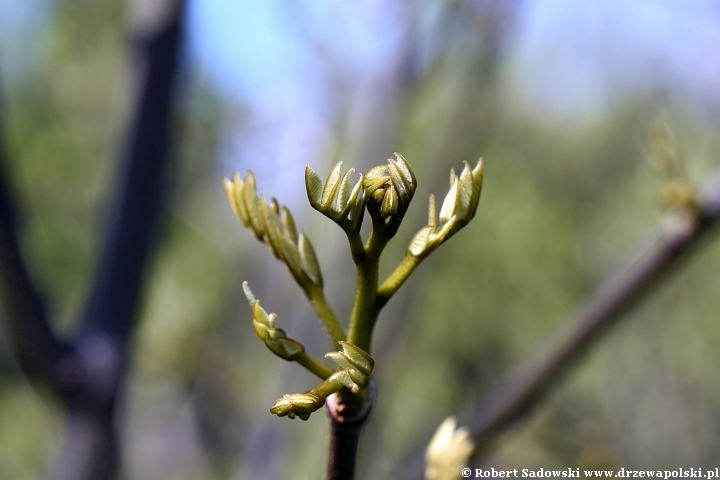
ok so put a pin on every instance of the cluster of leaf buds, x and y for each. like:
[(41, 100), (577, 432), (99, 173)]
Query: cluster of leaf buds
[(337, 199), (275, 226), (390, 188), (264, 325), (457, 210), (355, 368), (386, 191)]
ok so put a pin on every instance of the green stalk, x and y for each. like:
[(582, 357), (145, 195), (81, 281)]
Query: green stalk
[(365, 311), (325, 313), (396, 279), (314, 365), (356, 247)]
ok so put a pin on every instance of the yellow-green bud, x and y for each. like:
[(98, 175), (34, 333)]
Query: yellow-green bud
[(390, 186), (337, 199), (458, 208), (300, 404)]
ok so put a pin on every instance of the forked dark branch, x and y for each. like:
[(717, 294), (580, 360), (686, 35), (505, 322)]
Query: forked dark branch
[(87, 370)]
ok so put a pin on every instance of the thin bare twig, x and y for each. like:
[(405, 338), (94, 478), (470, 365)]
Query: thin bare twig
[(671, 245)]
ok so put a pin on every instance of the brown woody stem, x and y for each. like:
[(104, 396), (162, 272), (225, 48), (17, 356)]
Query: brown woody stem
[(348, 414)]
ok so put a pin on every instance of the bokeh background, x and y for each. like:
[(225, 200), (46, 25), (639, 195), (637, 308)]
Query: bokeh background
[(556, 95)]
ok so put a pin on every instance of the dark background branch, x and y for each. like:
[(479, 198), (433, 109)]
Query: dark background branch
[(101, 348), (113, 300), (35, 345), (88, 372)]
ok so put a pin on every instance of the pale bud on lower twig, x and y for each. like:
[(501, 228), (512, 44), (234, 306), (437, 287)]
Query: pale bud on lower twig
[(448, 451)]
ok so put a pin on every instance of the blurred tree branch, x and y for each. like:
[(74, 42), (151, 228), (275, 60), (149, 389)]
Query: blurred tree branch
[(87, 372), (669, 246), (114, 296), (677, 237), (37, 348)]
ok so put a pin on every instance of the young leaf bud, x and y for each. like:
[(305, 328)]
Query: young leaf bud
[(336, 199), (390, 187), (355, 366), (264, 326), (274, 225), (300, 404), (458, 208)]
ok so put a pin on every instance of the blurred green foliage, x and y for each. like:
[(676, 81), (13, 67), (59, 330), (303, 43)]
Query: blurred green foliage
[(563, 202)]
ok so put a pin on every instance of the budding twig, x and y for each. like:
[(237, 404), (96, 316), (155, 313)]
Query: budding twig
[(355, 368), (385, 192)]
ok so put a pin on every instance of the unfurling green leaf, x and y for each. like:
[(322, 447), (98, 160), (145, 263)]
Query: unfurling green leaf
[(309, 260), (343, 192), (264, 325), (230, 194), (252, 205), (357, 357), (331, 185), (355, 366), (458, 208), (450, 203), (402, 177), (288, 225), (314, 186), (271, 228), (292, 257), (242, 199), (336, 199), (274, 225)]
